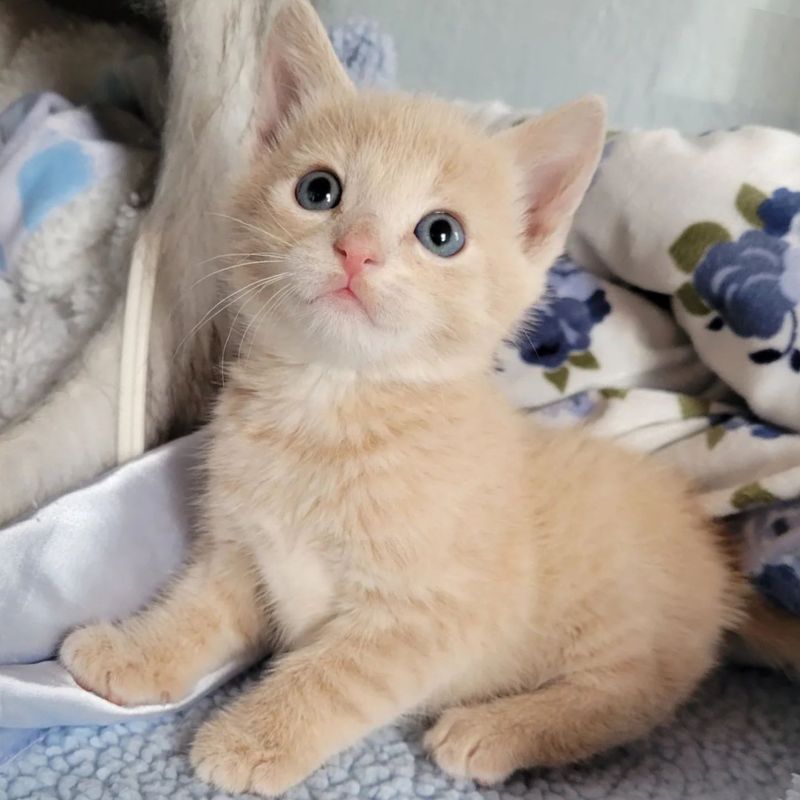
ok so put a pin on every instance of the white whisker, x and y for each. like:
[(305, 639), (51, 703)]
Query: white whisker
[(223, 304), (250, 226), (235, 266), (235, 255), (271, 305)]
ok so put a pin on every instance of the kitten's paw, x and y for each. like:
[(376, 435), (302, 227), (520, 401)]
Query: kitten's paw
[(229, 756), (467, 743), (103, 660)]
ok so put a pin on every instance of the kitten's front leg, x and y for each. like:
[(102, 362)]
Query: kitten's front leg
[(212, 612), (317, 701)]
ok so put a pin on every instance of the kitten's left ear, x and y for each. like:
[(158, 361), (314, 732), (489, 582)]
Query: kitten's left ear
[(557, 155), (299, 64)]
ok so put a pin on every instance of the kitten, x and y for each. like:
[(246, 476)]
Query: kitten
[(375, 511)]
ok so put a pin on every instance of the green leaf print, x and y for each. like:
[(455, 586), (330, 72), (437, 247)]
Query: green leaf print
[(691, 300), (747, 202), (584, 360), (611, 393), (558, 378), (692, 407), (753, 494), (714, 436), (690, 247)]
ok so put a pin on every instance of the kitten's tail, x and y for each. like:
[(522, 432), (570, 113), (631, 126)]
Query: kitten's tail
[(767, 636), (759, 632)]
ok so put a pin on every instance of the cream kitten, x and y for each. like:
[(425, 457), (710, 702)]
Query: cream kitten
[(375, 511)]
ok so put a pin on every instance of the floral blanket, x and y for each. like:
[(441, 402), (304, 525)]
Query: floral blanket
[(671, 325)]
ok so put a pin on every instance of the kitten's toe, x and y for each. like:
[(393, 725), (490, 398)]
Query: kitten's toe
[(103, 660), (466, 743), (226, 755)]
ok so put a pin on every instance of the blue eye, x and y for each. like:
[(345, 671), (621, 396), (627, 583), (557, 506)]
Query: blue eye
[(320, 190), (441, 233)]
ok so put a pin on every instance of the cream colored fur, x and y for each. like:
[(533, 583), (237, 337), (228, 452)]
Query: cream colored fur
[(375, 512)]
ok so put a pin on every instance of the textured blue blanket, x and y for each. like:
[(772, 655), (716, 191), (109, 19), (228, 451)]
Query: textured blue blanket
[(736, 741)]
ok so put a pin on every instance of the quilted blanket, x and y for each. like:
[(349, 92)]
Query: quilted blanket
[(671, 325)]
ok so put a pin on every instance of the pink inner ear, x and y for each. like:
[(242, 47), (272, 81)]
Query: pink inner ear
[(298, 63), (554, 192), (278, 94), (557, 155)]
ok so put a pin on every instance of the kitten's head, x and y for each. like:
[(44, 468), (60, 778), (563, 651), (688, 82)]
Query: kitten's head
[(389, 232)]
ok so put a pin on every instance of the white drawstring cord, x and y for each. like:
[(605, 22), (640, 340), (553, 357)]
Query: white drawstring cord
[(131, 422)]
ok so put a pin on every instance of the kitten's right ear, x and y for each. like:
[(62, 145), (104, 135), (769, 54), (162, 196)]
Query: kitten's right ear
[(299, 64)]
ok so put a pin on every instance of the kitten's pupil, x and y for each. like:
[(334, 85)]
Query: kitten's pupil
[(319, 190), (441, 232)]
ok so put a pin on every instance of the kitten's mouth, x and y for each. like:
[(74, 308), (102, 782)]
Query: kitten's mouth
[(346, 294), (346, 298)]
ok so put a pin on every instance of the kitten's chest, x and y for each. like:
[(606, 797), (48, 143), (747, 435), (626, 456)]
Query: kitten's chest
[(306, 522), (334, 510)]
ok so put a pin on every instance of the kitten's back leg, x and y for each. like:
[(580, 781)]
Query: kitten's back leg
[(563, 722), (212, 613)]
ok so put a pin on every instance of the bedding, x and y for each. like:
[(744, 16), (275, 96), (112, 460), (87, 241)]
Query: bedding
[(670, 324)]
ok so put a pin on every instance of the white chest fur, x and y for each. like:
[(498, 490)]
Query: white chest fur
[(300, 583)]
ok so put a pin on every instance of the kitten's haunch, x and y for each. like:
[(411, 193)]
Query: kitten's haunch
[(376, 513)]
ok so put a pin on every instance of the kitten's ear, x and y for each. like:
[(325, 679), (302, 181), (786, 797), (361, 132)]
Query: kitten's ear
[(299, 63), (557, 154)]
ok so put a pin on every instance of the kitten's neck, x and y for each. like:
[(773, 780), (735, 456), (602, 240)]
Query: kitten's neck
[(341, 405)]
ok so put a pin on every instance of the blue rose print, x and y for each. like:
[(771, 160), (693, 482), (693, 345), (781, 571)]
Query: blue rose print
[(741, 281), (753, 284), (781, 584), (778, 211), (770, 536), (561, 324)]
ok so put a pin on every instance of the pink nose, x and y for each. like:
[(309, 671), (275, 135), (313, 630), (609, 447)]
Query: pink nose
[(357, 251)]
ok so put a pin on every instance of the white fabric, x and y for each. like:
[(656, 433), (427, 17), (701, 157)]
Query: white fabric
[(653, 188), (97, 553)]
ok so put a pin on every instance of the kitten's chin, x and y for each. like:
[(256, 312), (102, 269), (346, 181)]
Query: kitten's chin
[(336, 332), (339, 330), (370, 353)]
